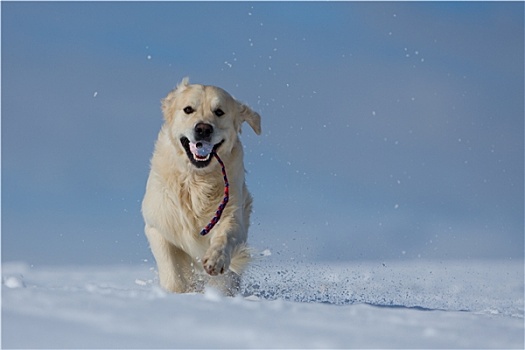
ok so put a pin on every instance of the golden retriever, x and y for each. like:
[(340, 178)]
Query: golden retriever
[(186, 186)]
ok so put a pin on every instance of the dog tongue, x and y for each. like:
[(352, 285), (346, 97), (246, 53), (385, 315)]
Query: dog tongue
[(201, 148)]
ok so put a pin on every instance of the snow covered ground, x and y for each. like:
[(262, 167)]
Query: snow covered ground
[(416, 304)]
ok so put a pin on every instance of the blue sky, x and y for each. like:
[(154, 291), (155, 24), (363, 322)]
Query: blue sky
[(391, 130)]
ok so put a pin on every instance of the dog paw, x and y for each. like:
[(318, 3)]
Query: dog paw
[(216, 262)]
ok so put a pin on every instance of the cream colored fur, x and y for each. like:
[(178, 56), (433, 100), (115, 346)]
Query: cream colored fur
[(181, 199)]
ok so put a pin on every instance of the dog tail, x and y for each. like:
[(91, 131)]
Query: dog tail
[(241, 257)]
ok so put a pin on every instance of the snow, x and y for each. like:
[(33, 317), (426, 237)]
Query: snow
[(413, 304)]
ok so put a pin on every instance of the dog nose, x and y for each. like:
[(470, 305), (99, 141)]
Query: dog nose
[(203, 132)]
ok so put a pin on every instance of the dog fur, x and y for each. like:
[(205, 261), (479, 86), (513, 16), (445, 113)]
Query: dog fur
[(182, 194)]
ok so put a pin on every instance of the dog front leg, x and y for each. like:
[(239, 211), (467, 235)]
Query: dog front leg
[(226, 237), (173, 264), (217, 259)]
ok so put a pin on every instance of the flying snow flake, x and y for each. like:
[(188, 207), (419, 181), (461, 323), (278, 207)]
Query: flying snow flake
[(14, 282), (149, 57), (266, 252), (95, 94), (212, 294)]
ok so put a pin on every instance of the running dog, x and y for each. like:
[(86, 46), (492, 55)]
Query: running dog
[(186, 186)]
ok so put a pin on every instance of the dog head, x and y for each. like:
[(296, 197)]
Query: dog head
[(205, 119)]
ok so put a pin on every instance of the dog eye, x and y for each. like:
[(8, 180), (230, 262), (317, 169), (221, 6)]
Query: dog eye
[(219, 112), (188, 110)]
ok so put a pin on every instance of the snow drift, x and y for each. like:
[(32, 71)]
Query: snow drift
[(417, 304)]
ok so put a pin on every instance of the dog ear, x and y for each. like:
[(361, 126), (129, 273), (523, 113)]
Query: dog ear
[(167, 103), (185, 82), (252, 118)]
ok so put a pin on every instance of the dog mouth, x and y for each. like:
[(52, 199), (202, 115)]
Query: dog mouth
[(200, 152)]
